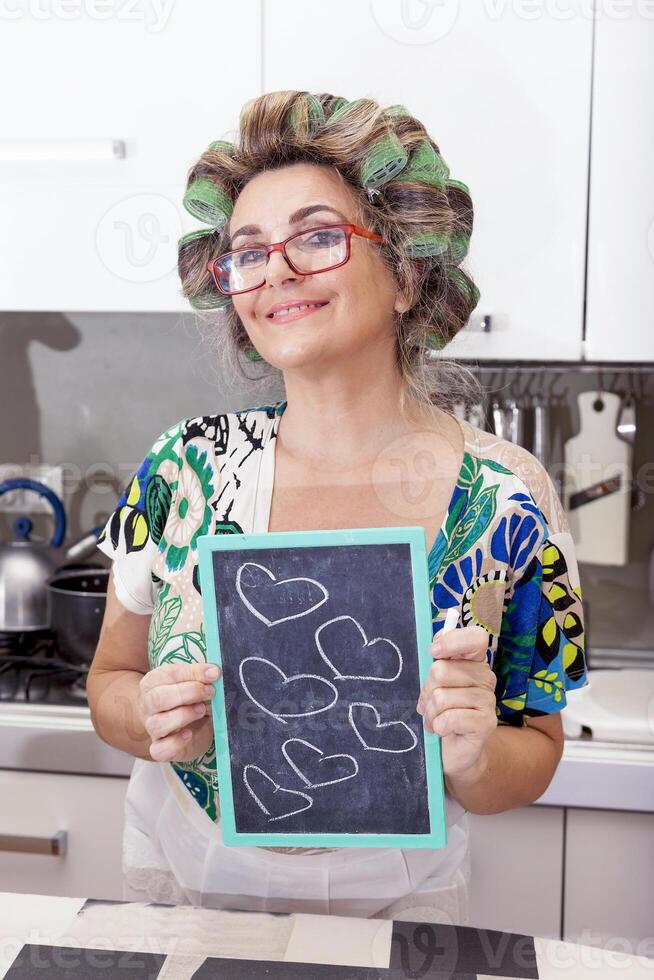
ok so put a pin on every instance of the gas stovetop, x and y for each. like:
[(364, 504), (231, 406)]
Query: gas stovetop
[(34, 669), (45, 718)]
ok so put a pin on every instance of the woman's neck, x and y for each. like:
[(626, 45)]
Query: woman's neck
[(322, 430)]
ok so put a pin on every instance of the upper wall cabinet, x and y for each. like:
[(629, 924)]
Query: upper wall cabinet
[(504, 89), (620, 307), (104, 112)]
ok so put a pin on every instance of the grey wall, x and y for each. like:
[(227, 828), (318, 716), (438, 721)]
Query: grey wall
[(93, 391)]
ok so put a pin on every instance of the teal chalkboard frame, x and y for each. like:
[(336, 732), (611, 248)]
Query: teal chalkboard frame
[(416, 539)]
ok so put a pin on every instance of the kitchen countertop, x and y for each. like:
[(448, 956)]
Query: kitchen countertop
[(603, 775), (52, 738), (76, 937)]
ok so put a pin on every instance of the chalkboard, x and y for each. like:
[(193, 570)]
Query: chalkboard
[(323, 640)]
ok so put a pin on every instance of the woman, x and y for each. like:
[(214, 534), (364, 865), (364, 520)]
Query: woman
[(344, 214)]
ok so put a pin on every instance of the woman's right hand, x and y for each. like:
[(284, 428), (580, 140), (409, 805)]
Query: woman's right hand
[(175, 699)]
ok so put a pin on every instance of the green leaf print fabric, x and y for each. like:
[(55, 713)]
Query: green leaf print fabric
[(504, 557)]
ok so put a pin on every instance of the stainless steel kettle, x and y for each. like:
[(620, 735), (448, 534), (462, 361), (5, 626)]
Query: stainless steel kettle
[(26, 565)]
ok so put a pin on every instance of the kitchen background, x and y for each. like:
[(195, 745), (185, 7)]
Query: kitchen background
[(86, 391), (541, 110)]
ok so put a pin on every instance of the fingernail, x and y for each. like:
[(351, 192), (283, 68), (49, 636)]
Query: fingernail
[(212, 672), (186, 735), (199, 709), (209, 690)]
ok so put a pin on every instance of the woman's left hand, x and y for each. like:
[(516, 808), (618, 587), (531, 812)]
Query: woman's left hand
[(457, 699)]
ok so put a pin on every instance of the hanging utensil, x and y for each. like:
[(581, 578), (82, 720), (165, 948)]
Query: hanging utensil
[(515, 422), (541, 434), (626, 430), (626, 427), (499, 420)]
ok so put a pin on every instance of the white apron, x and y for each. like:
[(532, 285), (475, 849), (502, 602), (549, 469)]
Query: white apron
[(173, 852)]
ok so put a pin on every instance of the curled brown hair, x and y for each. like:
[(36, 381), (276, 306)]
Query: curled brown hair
[(403, 191)]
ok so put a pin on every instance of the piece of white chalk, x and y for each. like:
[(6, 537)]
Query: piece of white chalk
[(451, 619)]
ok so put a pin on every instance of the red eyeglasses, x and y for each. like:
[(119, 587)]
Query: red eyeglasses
[(307, 253)]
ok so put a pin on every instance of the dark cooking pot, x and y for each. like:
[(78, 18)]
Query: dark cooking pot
[(77, 602)]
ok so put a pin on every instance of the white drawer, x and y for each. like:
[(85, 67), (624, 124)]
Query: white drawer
[(82, 815)]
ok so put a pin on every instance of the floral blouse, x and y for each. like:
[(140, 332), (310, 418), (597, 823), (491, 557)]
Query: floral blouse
[(504, 556)]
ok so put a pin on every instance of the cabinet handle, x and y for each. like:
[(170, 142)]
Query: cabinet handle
[(56, 845), (62, 149)]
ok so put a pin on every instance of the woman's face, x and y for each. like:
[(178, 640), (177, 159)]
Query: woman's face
[(361, 296)]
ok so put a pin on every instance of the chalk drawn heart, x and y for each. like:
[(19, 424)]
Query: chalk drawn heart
[(302, 593), (303, 756), (396, 731), (272, 685), (263, 783), (365, 664)]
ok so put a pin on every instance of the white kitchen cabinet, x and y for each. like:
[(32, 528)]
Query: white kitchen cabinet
[(516, 861), (609, 885), (506, 96), (38, 805), (620, 306), (83, 229)]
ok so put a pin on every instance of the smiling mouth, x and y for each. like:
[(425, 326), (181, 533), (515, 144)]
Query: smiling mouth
[(295, 313)]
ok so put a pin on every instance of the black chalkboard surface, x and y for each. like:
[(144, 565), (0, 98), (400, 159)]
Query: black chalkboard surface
[(323, 640)]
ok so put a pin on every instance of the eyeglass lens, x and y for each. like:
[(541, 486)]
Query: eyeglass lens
[(313, 251)]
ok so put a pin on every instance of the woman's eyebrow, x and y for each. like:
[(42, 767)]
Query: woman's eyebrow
[(294, 218)]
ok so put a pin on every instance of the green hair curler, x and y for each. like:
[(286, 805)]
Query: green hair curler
[(342, 107), (209, 300), (426, 245), (221, 145), (386, 159), (458, 184), (208, 202), (315, 117), (253, 354), (459, 245), (337, 105), (465, 286), (426, 166), (396, 110), (192, 236), (434, 340)]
